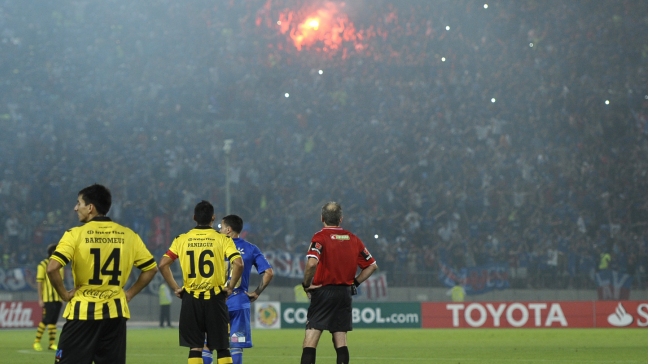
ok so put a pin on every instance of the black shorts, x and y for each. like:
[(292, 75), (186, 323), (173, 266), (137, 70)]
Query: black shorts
[(330, 309), (200, 317), (51, 312), (85, 341)]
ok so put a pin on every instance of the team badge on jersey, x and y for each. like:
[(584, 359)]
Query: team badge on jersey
[(366, 254)]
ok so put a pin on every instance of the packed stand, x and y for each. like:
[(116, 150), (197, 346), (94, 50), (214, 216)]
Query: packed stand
[(525, 145)]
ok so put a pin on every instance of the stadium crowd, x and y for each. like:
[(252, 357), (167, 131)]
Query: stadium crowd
[(459, 133)]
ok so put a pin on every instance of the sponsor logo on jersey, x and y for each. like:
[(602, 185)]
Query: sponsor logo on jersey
[(339, 237)]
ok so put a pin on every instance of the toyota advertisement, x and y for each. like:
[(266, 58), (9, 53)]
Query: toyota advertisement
[(541, 314)]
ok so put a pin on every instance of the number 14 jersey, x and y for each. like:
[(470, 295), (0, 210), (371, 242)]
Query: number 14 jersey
[(102, 253)]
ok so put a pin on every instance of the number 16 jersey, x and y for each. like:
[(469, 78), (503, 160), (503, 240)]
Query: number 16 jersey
[(201, 252), (102, 254)]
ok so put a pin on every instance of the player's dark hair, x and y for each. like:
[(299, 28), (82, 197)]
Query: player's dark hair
[(332, 213), (203, 213), (98, 196), (50, 249), (234, 222)]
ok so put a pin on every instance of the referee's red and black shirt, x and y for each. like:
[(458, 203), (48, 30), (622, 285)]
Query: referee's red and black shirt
[(339, 254)]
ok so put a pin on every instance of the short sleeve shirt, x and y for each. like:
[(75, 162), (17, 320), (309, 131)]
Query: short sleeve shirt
[(202, 252), (340, 253), (103, 254)]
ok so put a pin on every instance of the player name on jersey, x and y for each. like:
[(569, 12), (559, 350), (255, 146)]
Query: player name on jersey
[(99, 240)]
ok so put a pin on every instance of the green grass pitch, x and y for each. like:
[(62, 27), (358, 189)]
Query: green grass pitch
[(377, 346)]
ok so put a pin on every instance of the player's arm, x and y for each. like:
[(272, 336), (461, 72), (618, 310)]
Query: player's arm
[(143, 280), (39, 288), (309, 273), (237, 270), (165, 269), (367, 264), (41, 273), (54, 273), (266, 277), (365, 274)]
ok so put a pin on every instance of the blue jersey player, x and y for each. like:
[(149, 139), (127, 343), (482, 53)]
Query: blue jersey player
[(239, 301)]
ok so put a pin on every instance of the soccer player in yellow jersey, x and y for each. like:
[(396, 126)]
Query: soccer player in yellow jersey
[(202, 252), (102, 254), (49, 300)]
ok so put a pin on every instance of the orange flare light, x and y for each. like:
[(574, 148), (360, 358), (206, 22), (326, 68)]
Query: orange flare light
[(324, 29)]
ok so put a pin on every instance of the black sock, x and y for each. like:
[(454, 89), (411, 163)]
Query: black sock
[(308, 356), (342, 355)]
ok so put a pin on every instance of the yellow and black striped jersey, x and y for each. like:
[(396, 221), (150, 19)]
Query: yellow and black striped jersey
[(201, 252), (48, 292), (102, 253)]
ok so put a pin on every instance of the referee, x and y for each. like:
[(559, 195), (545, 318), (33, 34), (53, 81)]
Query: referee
[(330, 279), (202, 252), (102, 254), (49, 300)]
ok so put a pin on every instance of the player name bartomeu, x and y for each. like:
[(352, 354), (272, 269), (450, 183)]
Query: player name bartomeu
[(104, 240)]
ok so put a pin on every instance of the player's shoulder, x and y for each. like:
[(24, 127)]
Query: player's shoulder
[(121, 228), (336, 233), (244, 243)]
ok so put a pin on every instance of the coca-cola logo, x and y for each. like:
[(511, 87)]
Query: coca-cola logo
[(204, 286), (100, 294), (12, 314)]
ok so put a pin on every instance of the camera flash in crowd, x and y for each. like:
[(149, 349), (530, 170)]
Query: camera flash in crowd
[(493, 100), (286, 95), (320, 72), (376, 236)]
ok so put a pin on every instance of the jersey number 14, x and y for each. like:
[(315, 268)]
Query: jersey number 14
[(110, 268)]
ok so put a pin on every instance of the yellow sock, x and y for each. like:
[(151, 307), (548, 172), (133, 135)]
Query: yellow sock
[(39, 332), (52, 331), (195, 357)]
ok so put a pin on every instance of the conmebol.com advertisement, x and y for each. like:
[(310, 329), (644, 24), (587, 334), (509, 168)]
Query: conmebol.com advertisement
[(374, 315)]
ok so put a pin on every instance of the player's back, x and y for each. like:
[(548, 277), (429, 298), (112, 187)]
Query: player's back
[(201, 251), (337, 251), (103, 254), (252, 257)]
